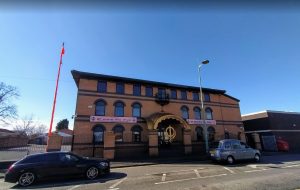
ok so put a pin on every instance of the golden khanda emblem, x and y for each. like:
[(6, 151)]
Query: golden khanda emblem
[(170, 133)]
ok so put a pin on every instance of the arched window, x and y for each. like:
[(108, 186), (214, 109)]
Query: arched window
[(185, 112), (119, 109), (118, 131), (199, 133), (209, 115), (98, 134), (100, 108), (136, 110), (197, 113), (136, 133), (211, 134)]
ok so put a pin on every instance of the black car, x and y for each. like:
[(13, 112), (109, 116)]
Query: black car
[(54, 164)]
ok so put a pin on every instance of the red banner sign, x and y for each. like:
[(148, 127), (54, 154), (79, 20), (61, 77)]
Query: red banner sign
[(104, 119), (201, 122)]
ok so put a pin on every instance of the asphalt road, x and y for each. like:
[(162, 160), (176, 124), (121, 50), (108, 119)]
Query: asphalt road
[(276, 172)]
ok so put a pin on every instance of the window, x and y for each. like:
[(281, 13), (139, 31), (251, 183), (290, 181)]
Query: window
[(67, 158), (102, 86), (100, 108), (161, 91), (49, 158), (236, 145), (244, 145), (227, 145), (211, 133), (199, 134), (118, 131), (136, 90), (173, 94), (149, 91), (183, 95), (119, 109), (185, 112), (31, 159), (197, 113), (41, 158), (195, 96), (120, 88), (208, 112), (136, 110), (206, 97), (98, 134), (136, 133)]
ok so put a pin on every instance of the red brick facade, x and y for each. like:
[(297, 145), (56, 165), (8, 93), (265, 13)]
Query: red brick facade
[(146, 133)]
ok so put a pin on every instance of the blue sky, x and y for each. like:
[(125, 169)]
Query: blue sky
[(254, 53)]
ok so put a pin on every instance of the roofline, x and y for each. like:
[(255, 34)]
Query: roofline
[(79, 74), (283, 112), (271, 111), (254, 113)]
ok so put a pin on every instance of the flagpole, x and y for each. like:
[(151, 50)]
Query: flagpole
[(56, 88)]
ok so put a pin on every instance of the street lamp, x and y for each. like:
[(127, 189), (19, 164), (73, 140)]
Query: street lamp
[(202, 107)]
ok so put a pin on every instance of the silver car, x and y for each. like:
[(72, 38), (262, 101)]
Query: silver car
[(231, 150)]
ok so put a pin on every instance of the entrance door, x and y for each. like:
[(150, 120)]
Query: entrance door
[(168, 146)]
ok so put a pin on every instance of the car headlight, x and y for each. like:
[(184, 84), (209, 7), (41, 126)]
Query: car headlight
[(104, 164)]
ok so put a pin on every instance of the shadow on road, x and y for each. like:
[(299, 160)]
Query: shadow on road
[(72, 182)]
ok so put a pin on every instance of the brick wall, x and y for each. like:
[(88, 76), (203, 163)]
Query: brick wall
[(226, 112)]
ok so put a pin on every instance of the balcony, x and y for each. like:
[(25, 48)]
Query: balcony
[(162, 98)]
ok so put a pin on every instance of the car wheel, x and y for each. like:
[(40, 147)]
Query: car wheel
[(92, 172), (26, 179), (257, 157), (230, 160)]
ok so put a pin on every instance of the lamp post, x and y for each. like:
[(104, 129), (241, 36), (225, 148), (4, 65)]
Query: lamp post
[(202, 106)]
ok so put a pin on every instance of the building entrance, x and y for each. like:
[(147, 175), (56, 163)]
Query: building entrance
[(170, 138)]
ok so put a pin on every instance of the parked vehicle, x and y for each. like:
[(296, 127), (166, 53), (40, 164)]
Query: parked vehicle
[(54, 164), (282, 145), (231, 150)]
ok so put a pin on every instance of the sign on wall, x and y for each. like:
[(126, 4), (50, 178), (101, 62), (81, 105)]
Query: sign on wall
[(201, 122), (105, 119)]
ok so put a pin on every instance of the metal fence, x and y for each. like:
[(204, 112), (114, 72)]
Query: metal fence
[(16, 152)]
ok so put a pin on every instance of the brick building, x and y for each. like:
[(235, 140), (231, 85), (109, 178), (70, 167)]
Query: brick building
[(270, 126), (119, 117)]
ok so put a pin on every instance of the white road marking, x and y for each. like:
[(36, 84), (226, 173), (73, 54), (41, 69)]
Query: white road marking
[(197, 173), (116, 184), (290, 166), (173, 171), (291, 162), (178, 180), (114, 189), (74, 187), (249, 171), (231, 171), (163, 178), (252, 166)]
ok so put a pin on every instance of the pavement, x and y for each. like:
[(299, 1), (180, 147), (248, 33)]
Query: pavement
[(4, 165), (150, 161), (279, 172)]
